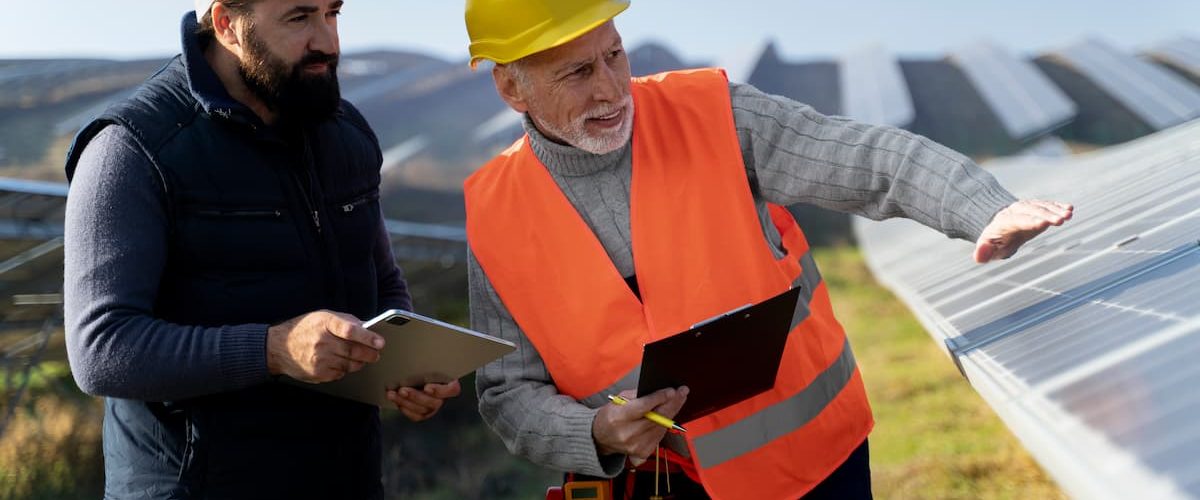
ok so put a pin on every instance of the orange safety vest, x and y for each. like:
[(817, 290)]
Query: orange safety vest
[(698, 250)]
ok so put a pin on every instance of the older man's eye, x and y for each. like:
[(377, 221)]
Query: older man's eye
[(297, 19), (614, 54)]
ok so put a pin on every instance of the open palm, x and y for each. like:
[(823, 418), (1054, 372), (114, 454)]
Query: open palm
[(1017, 224)]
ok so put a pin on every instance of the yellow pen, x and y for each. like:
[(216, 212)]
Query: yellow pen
[(653, 417)]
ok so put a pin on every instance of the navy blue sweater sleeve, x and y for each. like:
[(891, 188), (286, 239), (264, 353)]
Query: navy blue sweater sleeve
[(116, 249), (393, 289)]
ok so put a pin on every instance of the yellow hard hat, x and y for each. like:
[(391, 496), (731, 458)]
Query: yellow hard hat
[(506, 30)]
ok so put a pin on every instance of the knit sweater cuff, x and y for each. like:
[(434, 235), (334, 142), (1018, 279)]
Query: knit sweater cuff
[(586, 458), (976, 210), (243, 355)]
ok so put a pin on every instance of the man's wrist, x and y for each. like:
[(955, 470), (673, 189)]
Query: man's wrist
[(274, 336)]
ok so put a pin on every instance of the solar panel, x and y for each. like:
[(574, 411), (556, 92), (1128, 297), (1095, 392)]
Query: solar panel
[(396, 155), (1182, 52), (507, 122), (1084, 343), (376, 86), (1159, 97), (31, 252), (814, 83), (873, 88), (1024, 99), (428, 242), (740, 61)]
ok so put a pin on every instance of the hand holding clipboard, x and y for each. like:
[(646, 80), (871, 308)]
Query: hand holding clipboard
[(723, 360)]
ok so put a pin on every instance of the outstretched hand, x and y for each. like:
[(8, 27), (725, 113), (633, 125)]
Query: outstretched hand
[(1017, 224)]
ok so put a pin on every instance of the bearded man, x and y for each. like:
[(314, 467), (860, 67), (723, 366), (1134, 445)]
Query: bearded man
[(223, 230)]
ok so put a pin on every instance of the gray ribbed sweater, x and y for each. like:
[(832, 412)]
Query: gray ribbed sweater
[(792, 154)]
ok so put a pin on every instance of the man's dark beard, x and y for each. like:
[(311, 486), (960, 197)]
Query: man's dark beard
[(295, 96)]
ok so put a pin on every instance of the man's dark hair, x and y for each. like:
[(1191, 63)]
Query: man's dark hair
[(206, 30)]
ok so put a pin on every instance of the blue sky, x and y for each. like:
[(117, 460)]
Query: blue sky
[(697, 29)]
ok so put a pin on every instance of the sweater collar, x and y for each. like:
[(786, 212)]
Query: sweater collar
[(203, 82), (569, 161)]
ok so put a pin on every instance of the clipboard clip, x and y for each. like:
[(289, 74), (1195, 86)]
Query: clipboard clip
[(722, 315)]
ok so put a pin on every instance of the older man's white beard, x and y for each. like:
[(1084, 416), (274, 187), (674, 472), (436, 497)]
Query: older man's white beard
[(603, 143)]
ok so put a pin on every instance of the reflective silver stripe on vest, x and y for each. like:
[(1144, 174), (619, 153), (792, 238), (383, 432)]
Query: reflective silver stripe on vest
[(810, 276), (783, 417), (808, 281)]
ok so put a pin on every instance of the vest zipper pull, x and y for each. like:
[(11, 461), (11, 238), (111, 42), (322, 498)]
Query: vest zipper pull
[(316, 216)]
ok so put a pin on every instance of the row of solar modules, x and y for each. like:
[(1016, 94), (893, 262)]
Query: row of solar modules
[(1085, 342), (985, 101), (31, 252), (31, 259)]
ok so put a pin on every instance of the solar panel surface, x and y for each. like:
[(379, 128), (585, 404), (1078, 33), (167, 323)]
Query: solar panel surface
[(874, 89), (1024, 99), (1181, 52), (1084, 342), (1156, 95)]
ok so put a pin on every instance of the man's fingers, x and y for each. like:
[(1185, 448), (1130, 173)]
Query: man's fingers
[(353, 331), (638, 407), (443, 391), (672, 406), (417, 401), (414, 414), (983, 251), (358, 352), (1056, 213), (642, 445), (1035, 222), (413, 410), (334, 371), (1063, 209), (647, 439), (1046, 212)]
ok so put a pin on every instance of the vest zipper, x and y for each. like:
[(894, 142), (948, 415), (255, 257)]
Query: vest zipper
[(239, 213), (349, 207), (306, 191)]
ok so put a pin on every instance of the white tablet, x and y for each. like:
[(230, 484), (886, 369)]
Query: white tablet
[(418, 351)]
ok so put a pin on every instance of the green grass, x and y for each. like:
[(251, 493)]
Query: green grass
[(48, 375), (51, 447), (934, 436)]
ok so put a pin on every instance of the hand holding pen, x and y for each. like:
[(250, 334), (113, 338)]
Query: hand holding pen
[(626, 429), (650, 415)]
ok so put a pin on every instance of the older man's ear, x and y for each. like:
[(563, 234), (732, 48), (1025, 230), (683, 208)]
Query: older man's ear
[(509, 88)]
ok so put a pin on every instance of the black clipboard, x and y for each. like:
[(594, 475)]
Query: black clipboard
[(723, 360)]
